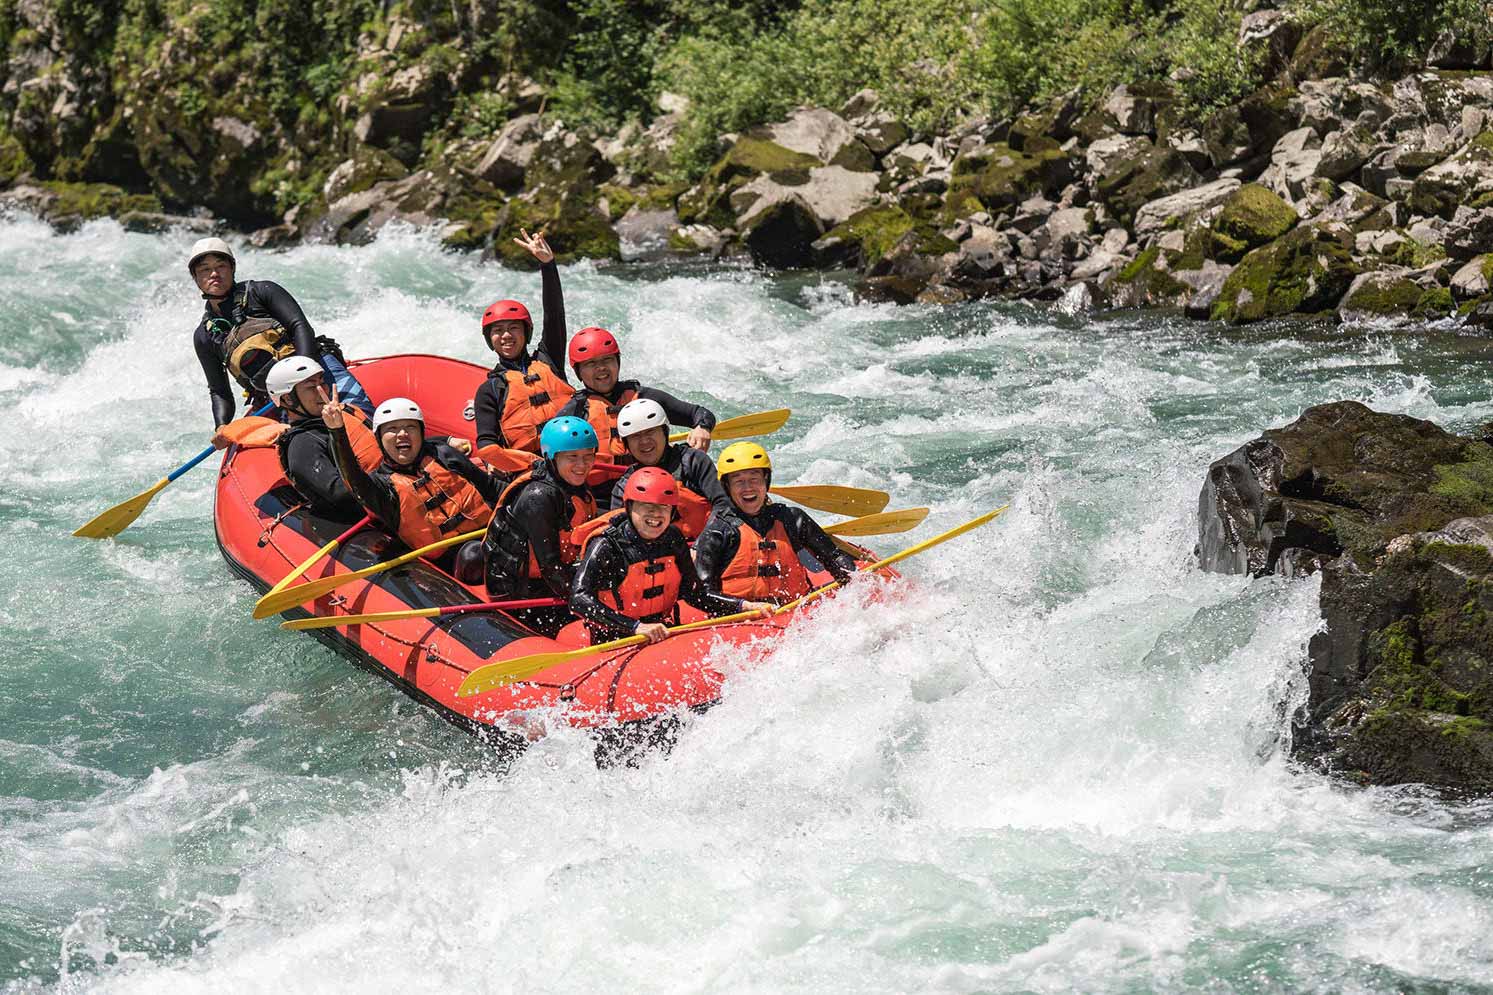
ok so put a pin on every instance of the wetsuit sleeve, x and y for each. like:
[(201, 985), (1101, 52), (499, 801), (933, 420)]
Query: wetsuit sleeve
[(679, 412), (543, 515), (805, 533), (695, 592), (602, 569), (489, 485), (218, 388), (576, 406), (714, 550), (700, 476), (278, 304), (551, 351), (313, 471), (488, 407), (377, 498)]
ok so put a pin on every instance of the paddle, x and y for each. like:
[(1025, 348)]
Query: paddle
[(323, 551), (885, 523), (119, 517), (760, 423), (496, 675), (276, 602), (834, 498), (328, 621)]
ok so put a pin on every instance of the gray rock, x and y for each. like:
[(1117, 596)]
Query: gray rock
[(861, 103), (1032, 213), (1398, 188), (1379, 169), (1206, 285), (508, 157), (702, 238), (1293, 162), (1156, 215), (780, 232), (645, 233), (1190, 145), (1428, 231), (1471, 280), (1172, 241), (813, 131), (1377, 242), (831, 194), (153, 223), (985, 255), (1101, 153), (1132, 114), (1344, 152), (881, 132), (1065, 232), (1470, 233), (1115, 240)]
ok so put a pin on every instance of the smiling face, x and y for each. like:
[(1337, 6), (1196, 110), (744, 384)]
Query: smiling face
[(214, 275), (401, 440), (507, 337), (600, 374), (308, 394), (650, 519), (647, 447), (747, 489), (574, 466)]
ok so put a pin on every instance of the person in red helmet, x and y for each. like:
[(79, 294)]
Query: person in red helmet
[(597, 360), (638, 569), (524, 390)]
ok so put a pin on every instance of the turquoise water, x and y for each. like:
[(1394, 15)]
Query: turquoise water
[(1060, 766)]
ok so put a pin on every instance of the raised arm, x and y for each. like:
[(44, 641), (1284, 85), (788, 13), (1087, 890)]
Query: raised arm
[(283, 308)]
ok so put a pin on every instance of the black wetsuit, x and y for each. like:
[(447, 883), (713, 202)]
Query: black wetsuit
[(691, 468), (532, 521), (306, 456), (605, 566), (247, 299), (721, 538), (492, 395), (375, 492)]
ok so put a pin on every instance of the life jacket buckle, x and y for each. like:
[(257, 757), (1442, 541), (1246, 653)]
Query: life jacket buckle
[(649, 593), (654, 567), (540, 399)]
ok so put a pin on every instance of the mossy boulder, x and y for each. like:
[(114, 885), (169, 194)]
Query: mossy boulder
[(996, 177), (564, 200), (1147, 281), (1306, 272), (1133, 179), (1462, 179), (709, 201), (1252, 216), (13, 159), (79, 202), (864, 238), (1383, 296)]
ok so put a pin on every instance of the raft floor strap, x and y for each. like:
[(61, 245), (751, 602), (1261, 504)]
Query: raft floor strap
[(274, 523)]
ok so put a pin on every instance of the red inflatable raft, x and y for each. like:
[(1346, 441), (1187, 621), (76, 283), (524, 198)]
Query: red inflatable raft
[(264, 532)]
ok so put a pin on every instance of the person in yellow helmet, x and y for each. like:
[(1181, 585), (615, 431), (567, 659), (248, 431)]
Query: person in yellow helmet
[(751, 550)]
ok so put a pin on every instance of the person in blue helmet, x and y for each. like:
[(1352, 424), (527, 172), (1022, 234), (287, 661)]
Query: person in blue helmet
[(528, 551)]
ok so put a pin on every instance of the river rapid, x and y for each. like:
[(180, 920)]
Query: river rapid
[(1060, 766)]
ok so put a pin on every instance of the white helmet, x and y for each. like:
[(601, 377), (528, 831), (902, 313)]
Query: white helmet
[(639, 416), (397, 409), (287, 373), (208, 246)]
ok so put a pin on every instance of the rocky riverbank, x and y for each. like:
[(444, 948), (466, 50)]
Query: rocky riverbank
[(1322, 194), (1397, 516)]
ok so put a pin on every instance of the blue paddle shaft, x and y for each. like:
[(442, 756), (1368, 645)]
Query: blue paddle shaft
[(206, 452)]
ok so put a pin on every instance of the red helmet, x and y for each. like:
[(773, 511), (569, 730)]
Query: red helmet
[(652, 484), (507, 311), (592, 343)]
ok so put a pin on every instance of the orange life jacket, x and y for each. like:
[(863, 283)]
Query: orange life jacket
[(581, 509), (765, 568), (582, 535), (533, 399), (650, 589), (602, 414), (694, 512), (436, 502)]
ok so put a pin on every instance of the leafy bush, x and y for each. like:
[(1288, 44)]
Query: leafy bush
[(1396, 34)]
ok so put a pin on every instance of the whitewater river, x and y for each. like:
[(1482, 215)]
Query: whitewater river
[(1061, 767)]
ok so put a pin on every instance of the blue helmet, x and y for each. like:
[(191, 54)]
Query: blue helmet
[(566, 434)]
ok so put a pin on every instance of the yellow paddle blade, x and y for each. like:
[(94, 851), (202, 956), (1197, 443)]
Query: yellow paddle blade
[(331, 621), (845, 547), (835, 499), (886, 523), (259, 608), (278, 601), (119, 517), (496, 675), (742, 426)]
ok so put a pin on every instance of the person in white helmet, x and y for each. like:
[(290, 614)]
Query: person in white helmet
[(298, 386), (425, 489), (246, 326), (643, 426)]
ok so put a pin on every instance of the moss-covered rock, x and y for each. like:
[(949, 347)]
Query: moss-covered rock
[(1380, 296), (1306, 272), (1463, 178), (865, 237), (996, 177), (1147, 281), (709, 201), (1252, 216), (1130, 181), (77, 202), (13, 159)]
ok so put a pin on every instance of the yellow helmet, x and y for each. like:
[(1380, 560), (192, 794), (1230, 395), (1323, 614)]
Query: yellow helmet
[(742, 456)]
